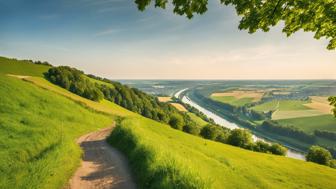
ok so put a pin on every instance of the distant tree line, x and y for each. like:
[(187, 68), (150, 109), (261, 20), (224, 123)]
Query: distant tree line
[(36, 62), (289, 131), (241, 138), (332, 101), (40, 62), (325, 134)]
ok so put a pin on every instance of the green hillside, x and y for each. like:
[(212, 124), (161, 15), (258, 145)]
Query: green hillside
[(38, 129), (13, 66), (165, 157), (39, 123)]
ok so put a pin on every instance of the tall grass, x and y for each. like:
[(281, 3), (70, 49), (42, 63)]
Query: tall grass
[(38, 129), (161, 157), (154, 167)]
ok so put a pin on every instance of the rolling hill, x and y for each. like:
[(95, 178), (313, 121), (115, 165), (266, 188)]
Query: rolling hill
[(40, 121)]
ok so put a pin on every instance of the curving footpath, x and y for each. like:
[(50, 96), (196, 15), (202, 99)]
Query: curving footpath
[(102, 166)]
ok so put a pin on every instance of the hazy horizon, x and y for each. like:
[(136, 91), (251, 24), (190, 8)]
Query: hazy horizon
[(111, 38)]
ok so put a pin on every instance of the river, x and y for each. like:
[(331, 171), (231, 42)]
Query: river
[(225, 123)]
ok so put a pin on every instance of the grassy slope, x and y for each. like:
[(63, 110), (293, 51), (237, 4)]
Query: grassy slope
[(8, 66), (209, 164), (33, 153), (37, 133), (197, 119), (232, 100), (103, 106)]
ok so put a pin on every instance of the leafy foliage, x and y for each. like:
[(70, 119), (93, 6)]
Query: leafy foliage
[(325, 134), (74, 81), (319, 155), (332, 101), (288, 131), (240, 137), (317, 16), (274, 148)]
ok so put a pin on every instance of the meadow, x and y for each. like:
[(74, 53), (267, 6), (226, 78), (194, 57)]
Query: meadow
[(197, 119), (38, 129), (9, 66), (209, 164)]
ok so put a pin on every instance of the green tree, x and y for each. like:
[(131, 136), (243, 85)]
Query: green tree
[(332, 101), (209, 132), (240, 137), (278, 149), (332, 163), (318, 155), (316, 16), (176, 121), (192, 129), (261, 146)]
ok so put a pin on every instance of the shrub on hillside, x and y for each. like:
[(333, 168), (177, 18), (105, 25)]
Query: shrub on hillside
[(191, 129), (319, 155), (332, 163), (176, 121), (240, 137), (261, 146), (209, 132), (277, 149)]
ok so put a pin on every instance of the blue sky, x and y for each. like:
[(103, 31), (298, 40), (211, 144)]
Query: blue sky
[(111, 38)]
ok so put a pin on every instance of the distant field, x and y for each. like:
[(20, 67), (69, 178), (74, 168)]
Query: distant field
[(164, 98), (295, 114), (179, 107), (238, 97), (232, 100), (320, 103), (193, 162), (286, 109), (282, 105), (309, 124)]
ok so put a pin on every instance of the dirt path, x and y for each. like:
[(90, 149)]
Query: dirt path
[(102, 166)]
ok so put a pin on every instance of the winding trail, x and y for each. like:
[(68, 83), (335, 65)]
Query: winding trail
[(102, 166)]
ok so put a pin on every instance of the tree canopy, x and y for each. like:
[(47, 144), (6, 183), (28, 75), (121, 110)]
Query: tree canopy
[(332, 101), (318, 16), (319, 155)]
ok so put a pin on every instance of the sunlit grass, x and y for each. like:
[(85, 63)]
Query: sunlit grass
[(153, 146), (38, 129)]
